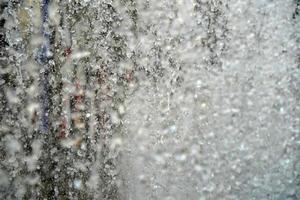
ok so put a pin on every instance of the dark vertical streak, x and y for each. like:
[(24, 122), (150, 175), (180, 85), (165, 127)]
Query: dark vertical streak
[(43, 59)]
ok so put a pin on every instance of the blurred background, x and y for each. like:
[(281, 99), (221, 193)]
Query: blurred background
[(134, 100)]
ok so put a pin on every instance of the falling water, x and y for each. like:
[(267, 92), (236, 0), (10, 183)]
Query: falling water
[(132, 100)]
